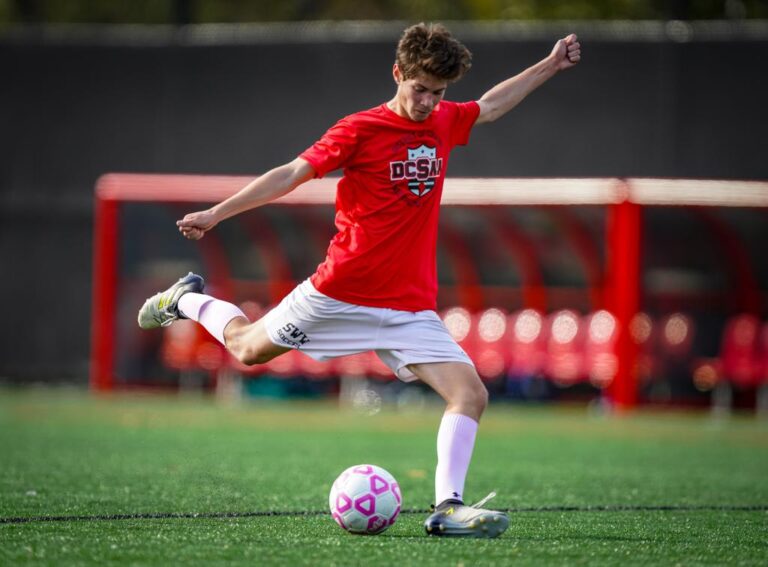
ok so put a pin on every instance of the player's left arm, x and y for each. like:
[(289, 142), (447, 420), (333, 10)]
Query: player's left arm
[(508, 94)]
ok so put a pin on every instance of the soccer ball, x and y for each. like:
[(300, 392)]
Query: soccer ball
[(365, 499)]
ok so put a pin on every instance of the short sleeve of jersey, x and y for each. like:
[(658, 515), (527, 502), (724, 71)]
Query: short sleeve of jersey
[(332, 150), (466, 114)]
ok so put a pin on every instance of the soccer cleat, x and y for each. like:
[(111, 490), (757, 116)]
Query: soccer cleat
[(452, 518), (162, 309)]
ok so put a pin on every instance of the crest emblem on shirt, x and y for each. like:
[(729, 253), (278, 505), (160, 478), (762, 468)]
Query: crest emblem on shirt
[(420, 169)]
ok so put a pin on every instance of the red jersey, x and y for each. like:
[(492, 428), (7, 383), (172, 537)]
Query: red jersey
[(387, 203)]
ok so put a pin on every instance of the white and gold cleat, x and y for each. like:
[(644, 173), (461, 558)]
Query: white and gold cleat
[(162, 309), (452, 518)]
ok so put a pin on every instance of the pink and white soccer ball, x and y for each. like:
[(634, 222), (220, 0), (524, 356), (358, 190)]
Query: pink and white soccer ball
[(365, 499)]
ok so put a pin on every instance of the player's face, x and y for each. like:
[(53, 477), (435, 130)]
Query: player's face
[(417, 97)]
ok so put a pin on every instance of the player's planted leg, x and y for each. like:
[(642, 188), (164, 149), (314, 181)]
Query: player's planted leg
[(466, 398), (162, 309)]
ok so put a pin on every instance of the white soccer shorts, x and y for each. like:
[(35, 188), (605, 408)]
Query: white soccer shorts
[(325, 328)]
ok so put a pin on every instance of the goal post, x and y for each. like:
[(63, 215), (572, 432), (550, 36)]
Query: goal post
[(130, 230)]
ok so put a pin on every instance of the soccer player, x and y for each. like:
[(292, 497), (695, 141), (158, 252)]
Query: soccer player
[(377, 288)]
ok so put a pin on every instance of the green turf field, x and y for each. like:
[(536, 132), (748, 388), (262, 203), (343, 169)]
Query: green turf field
[(189, 481)]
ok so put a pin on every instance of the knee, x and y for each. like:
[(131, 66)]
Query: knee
[(249, 355), (473, 400), (480, 398), (245, 351)]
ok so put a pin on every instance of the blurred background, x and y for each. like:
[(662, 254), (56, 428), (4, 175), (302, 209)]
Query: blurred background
[(666, 90)]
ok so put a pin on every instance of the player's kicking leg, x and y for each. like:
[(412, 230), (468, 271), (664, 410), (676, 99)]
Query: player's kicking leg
[(248, 342), (466, 397)]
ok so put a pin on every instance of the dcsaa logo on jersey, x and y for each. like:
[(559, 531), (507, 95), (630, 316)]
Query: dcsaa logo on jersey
[(420, 169)]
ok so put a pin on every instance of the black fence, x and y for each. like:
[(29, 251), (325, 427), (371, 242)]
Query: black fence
[(656, 100)]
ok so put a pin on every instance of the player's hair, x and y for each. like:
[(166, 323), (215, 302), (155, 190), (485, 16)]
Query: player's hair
[(431, 50)]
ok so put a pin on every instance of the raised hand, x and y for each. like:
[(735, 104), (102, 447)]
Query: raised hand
[(567, 52)]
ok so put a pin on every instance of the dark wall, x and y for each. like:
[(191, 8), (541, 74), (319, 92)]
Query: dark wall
[(70, 112)]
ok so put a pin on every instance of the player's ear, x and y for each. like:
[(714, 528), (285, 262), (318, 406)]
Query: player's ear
[(396, 74)]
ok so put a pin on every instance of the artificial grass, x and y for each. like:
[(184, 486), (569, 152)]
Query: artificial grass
[(650, 488)]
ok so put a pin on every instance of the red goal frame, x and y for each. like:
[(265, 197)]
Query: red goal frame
[(623, 199)]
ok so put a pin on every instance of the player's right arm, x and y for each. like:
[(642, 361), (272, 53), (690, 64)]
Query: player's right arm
[(268, 187)]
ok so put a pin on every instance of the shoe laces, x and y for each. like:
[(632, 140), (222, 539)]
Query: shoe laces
[(484, 500), (476, 505)]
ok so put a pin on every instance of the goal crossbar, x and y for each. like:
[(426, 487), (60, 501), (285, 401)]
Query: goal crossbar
[(457, 191)]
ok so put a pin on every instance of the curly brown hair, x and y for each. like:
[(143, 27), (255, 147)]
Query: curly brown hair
[(430, 49)]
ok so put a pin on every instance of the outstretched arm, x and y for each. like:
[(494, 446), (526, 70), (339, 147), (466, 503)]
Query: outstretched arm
[(508, 94), (262, 190)]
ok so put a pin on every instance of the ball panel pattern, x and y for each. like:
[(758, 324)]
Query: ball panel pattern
[(365, 499)]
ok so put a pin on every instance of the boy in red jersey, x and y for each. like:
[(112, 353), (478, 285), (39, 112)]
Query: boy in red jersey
[(377, 288)]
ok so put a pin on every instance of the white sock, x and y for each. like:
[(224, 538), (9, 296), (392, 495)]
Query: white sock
[(211, 313), (455, 442)]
